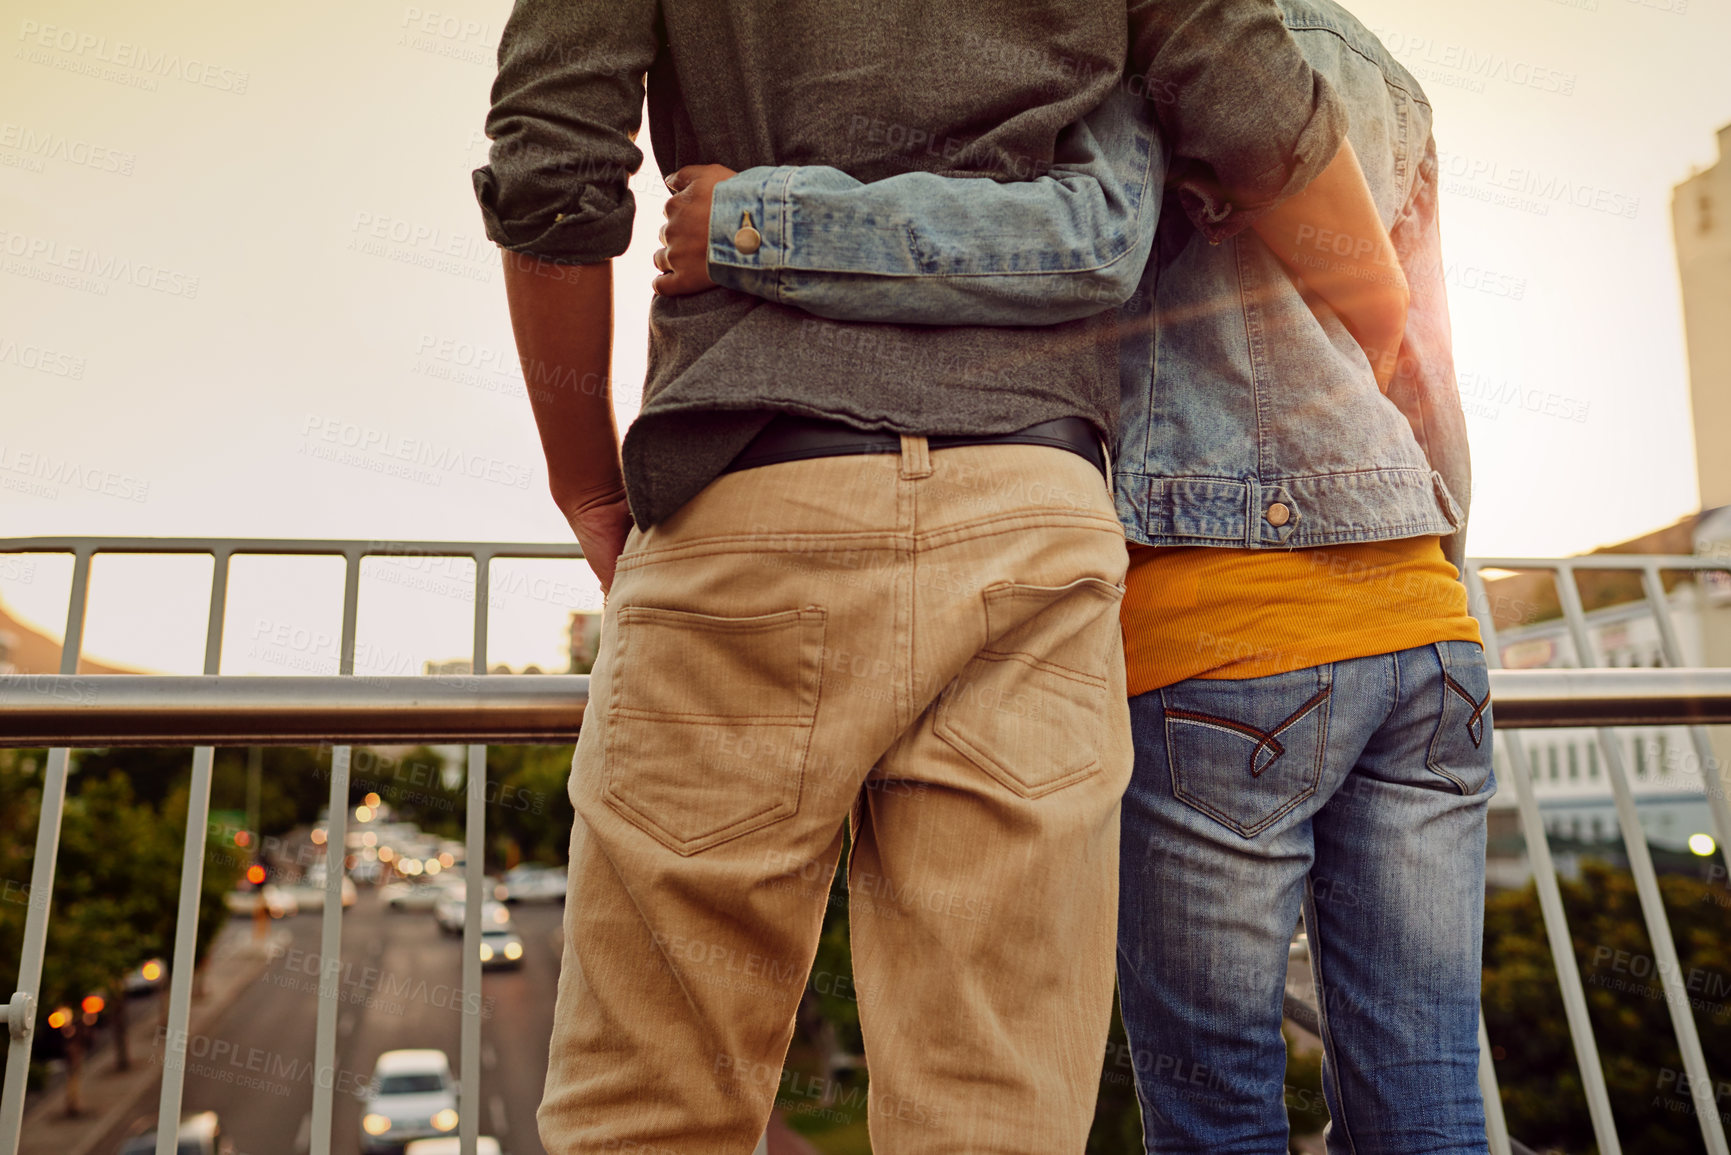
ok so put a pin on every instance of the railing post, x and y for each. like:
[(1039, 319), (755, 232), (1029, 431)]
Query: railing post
[(191, 890), (1550, 899), (1647, 888), (1713, 776), (474, 874), (331, 929), (22, 1008), (1496, 1125)]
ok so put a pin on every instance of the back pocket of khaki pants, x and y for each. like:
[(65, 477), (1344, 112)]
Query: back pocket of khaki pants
[(709, 721), (1029, 707)]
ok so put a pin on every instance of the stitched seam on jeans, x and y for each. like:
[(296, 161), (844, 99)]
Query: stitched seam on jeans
[(1478, 714), (1045, 666), (1265, 738), (1324, 1020), (643, 715), (887, 541), (1011, 522)]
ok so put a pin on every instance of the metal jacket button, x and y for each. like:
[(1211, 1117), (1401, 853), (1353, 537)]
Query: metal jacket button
[(747, 240), (1279, 514)]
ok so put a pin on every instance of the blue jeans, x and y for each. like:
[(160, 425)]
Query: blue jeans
[(1355, 792)]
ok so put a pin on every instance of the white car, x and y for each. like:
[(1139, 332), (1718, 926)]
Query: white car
[(484, 1145), (412, 895), (412, 1096), (310, 892), (535, 884), (452, 909)]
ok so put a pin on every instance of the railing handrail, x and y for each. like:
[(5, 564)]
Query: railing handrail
[(244, 710)]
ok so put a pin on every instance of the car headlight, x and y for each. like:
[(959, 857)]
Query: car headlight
[(486, 953), (445, 1120), (374, 1124), (513, 951)]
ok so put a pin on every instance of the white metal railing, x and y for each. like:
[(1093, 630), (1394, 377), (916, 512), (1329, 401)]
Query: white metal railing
[(1512, 755), (21, 1010), (216, 710)]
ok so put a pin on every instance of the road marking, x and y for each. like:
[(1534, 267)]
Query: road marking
[(497, 1104), (489, 1057), (304, 1136)]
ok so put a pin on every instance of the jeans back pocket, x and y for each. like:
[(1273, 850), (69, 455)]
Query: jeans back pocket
[(1246, 751), (709, 721), (1460, 749)]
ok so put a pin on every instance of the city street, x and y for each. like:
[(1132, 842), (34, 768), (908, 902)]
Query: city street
[(401, 983)]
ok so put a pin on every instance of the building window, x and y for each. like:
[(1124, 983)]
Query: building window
[(1553, 762), (1598, 829), (1574, 762), (1664, 755), (1640, 757), (1593, 760)]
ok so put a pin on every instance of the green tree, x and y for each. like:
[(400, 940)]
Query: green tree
[(116, 887), (1541, 1084)]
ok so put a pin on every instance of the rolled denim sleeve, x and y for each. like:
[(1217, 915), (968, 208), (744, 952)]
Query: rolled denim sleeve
[(567, 104), (1247, 118), (923, 249)]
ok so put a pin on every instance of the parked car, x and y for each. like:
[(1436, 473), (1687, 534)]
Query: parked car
[(199, 1134), (484, 1145), (415, 895), (535, 884), (412, 1096)]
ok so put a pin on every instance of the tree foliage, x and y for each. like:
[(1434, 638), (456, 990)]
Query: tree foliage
[(1540, 1080)]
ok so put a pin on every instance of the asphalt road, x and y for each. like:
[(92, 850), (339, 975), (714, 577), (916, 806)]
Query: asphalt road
[(401, 982)]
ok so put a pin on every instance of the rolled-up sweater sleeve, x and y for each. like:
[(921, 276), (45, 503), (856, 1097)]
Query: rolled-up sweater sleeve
[(566, 107), (1248, 120)]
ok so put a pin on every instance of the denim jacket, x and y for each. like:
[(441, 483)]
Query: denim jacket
[(1250, 417)]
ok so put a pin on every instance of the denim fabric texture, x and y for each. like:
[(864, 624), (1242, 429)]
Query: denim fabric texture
[(1354, 792), (1238, 395)]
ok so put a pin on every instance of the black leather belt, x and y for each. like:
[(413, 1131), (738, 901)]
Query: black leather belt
[(790, 438)]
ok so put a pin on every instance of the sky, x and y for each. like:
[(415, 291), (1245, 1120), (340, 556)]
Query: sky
[(244, 290)]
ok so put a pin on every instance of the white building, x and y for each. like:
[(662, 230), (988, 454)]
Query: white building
[(1567, 767)]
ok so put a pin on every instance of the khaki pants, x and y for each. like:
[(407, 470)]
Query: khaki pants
[(926, 645)]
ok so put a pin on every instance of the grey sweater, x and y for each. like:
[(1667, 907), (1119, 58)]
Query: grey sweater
[(873, 87)]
